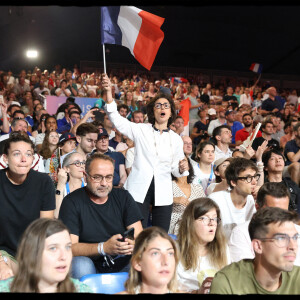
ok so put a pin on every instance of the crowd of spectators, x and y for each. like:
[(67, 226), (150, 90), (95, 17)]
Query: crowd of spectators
[(51, 166)]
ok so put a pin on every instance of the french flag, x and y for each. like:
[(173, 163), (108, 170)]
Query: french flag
[(178, 80), (257, 68), (133, 28)]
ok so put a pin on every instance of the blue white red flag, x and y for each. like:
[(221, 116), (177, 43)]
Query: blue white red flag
[(178, 79), (257, 68), (133, 28)]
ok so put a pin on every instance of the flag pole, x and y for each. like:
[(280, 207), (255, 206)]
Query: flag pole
[(104, 62)]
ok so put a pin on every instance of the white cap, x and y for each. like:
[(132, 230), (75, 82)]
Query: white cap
[(212, 111)]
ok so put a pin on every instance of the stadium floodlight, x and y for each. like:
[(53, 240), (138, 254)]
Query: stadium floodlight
[(32, 54)]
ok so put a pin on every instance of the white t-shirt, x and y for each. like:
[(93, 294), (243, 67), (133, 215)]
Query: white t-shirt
[(202, 178), (240, 245), (190, 280), (230, 215)]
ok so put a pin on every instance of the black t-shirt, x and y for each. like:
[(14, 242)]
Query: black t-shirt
[(21, 204), (204, 98), (94, 223), (272, 143), (228, 98), (270, 104)]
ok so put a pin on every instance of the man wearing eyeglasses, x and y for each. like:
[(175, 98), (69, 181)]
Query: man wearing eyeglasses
[(237, 205), (275, 241), (102, 144), (97, 216), (271, 194)]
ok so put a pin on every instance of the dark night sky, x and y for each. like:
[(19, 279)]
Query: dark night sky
[(224, 37)]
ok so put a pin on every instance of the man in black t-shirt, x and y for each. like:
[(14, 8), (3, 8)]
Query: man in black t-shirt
[(97, 216), (229, 97), (267, 129)]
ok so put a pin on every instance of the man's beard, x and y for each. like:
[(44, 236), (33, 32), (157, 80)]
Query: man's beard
[(99, 191)]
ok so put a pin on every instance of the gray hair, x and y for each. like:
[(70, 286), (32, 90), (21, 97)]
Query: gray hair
[(67, 159), (15, 121)]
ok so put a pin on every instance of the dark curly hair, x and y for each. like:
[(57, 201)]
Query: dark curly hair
[(150, 108)]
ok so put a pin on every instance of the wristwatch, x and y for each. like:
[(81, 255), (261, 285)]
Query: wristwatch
[(57, 192)]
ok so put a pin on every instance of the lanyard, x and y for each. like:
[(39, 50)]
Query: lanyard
[(68, 187)]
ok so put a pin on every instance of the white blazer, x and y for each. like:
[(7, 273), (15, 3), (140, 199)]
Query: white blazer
[(155, 155)]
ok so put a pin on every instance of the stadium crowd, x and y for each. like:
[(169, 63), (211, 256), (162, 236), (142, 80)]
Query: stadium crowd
[(205, 176)]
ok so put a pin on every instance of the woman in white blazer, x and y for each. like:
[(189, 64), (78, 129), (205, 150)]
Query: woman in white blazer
[(158, 153)]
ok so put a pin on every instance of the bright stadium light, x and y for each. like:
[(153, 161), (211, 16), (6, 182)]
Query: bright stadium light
[(31, 53)]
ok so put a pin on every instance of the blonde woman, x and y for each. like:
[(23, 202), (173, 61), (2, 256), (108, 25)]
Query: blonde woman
[(202, 245), (153, 263)]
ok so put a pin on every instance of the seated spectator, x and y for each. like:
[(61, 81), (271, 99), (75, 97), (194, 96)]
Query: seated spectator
[(199, 131), (274, 240), (40, 89), (25, 195), (49, 144), (184, 191), (289, 135), (130, 102), (81, 87), (153, 251), (271, 104), (242, 134), (62, 91), (271, 194), (267, 129), (123, 110), (203, 170), (62, 114), (50, 125), (245, 98), (275, 171), (21, 87), (221, 184), (222, 137), (66, 144), (88, 213), (202, 245), (17, 125), (292, 148), (221, 120), (229, 97), (70, 177), (45, 246), (120, 174), (179, 125), (234, 125), (137, 116), (237, 205)]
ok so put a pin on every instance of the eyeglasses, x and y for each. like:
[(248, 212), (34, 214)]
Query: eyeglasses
[(78, 163), (99, 178), (207, 220), (250, 178), (160, 105), (282, 240)]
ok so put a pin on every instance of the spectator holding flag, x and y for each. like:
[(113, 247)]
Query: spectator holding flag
[(158, 154)]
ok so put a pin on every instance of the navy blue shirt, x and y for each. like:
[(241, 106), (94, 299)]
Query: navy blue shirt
[(119, 159), (290, 146), (270, 104)]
